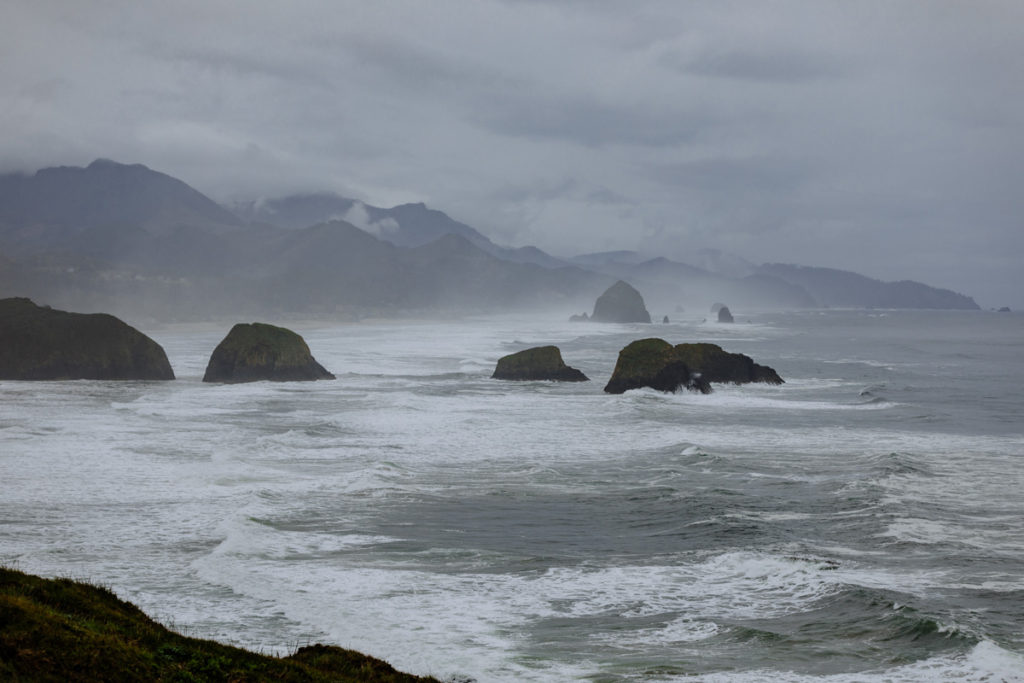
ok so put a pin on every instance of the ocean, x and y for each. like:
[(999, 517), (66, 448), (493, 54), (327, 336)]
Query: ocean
[(863, 521)]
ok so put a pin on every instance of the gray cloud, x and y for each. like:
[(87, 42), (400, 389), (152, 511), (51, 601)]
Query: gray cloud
[(781, 67), (591, 122)]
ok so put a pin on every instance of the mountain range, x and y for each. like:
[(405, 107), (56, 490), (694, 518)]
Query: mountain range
[(133, 241)]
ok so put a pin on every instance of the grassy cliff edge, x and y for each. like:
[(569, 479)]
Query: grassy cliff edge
[(64, 630)]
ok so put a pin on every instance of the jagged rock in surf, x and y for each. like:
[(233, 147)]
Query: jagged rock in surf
[(39, 343), (582, 318), (538, 363), (657, 364), (257, 351), (714, 364), (724, 315), (621, 303)]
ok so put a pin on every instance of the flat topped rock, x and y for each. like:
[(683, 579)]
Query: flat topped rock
[(657, 364), (538, 363), (621, 303), (39, 343), (256, 351)]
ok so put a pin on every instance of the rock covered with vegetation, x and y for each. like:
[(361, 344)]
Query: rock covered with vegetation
[(657, 364), (538, 363), (653, 363), (621, 303), (257, 351), (63, 630), (39, 343)]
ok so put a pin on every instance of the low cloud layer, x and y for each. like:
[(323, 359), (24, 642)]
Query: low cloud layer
[(882, 137)]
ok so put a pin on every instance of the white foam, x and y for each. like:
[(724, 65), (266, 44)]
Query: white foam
[(483, 614), (733, 398), (986, 662), (676, 632), (248, 502)]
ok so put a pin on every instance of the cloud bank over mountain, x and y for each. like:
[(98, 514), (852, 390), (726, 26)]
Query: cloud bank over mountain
[(880, 137), (128, 239)]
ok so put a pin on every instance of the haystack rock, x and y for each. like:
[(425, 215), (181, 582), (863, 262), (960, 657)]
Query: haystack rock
[(39, 343), (538, 363), (257, 351), (657, 364), (621, 303), (724, 315)]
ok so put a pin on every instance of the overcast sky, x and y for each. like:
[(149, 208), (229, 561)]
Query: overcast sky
[(885, 137)]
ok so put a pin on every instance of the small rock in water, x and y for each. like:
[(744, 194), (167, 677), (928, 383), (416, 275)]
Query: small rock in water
[(257, 351), (538, 363)]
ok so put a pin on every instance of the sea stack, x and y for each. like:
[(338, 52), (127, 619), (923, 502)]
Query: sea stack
[(538, 363), (714, 364), (39, 343), (653, 363), (724, 315), (257, 351), (621, 303), (657, 364)]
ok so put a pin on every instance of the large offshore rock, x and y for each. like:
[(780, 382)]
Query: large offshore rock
[(257, 351), (653, 363), (621, 303), (39, 343), (657, 364), (714, 364), (538, 363), (724, 315)]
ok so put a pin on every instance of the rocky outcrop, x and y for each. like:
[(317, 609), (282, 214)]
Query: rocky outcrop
[(538, 363), (39, 343), (657, 364), (714, 364), (653, 363), (257, 351), (579, 318), (621, 303), (724, 315)]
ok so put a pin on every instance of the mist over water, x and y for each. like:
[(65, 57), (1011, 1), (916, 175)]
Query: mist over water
[(862, 521)]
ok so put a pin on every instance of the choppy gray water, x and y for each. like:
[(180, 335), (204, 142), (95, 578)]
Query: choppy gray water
[(862, 522)]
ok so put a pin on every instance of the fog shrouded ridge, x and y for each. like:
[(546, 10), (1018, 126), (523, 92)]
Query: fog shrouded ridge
[(131, 240), (875, 137)]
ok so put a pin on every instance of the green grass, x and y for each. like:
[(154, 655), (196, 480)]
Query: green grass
[(64, 630)]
